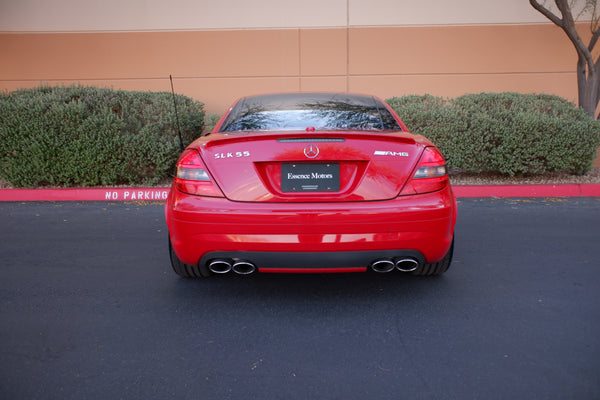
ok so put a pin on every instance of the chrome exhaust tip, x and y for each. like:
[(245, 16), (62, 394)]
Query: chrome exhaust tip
[(407, 264), (243, 267), (219, 266), (383, 266)]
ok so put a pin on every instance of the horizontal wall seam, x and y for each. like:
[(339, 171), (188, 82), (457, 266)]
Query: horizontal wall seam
[(175, 77), (280, 28), (267, 28), (415, 74)]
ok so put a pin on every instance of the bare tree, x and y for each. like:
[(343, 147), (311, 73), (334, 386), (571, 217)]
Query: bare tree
[(588, 69)]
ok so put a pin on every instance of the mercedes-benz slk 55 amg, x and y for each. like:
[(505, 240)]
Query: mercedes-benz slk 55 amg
[(310, 182)]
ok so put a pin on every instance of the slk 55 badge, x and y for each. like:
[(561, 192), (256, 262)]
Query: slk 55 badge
[(237, 154)]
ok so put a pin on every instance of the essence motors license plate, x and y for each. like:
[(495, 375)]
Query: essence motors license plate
[(310, 177)]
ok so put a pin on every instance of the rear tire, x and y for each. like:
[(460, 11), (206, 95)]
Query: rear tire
[(186, 270), (436, 268)]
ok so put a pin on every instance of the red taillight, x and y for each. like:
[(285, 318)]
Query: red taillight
[(431, 174), (192, 177)]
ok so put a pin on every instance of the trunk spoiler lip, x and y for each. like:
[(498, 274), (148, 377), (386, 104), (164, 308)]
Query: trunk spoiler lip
[(216, 139)]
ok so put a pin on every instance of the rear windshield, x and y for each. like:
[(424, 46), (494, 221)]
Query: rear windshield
[(299, 111)]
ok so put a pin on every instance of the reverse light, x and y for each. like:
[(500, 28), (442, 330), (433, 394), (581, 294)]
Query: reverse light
[(431, 174), (192, 177)]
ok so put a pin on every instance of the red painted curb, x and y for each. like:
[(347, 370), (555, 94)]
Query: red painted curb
[(92, 194), (160, 194), (590, 190)]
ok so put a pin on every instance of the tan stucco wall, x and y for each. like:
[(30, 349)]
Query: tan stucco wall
[(217, 66), (218, 51)]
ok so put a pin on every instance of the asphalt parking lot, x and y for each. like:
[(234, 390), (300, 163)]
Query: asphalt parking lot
[(90, 309)]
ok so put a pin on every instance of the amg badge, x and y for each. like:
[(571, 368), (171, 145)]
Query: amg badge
[(391, 153)]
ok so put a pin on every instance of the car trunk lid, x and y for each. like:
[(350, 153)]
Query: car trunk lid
[(321, 167)]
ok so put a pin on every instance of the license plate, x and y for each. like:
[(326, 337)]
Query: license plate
[(309, 177)]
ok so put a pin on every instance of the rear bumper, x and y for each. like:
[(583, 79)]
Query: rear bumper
[(331, 261), (310, 236)]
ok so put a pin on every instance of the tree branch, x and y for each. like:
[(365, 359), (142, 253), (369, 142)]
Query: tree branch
[(567, 23), (565, 10), (594, 39), (594, 27), (546, 13), (588, 69), (571, 31)]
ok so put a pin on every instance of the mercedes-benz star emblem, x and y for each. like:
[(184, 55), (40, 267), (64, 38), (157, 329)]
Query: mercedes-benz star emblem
[(311, 151)]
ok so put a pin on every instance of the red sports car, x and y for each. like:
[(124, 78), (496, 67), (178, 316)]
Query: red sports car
[(310, 182)]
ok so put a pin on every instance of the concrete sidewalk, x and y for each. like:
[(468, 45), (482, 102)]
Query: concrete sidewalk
[(160, 193)]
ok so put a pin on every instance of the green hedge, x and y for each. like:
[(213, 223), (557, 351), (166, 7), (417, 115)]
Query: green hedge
[(210, 120), (86, 136), (507, 133)]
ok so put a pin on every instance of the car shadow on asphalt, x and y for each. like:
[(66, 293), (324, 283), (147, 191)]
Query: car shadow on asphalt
[(322, 288)]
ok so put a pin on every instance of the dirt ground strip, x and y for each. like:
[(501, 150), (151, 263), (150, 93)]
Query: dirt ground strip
[(469, 178)]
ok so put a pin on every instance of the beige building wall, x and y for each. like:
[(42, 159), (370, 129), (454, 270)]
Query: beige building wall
[(220, 50)]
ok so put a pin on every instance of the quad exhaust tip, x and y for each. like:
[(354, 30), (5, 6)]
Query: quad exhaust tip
[(243, 267), (383, 266), (220, 266), (405, 264)]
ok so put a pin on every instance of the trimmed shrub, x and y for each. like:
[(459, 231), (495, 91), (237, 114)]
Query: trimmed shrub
[(507, 133), (87, 136), (210, 120)]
